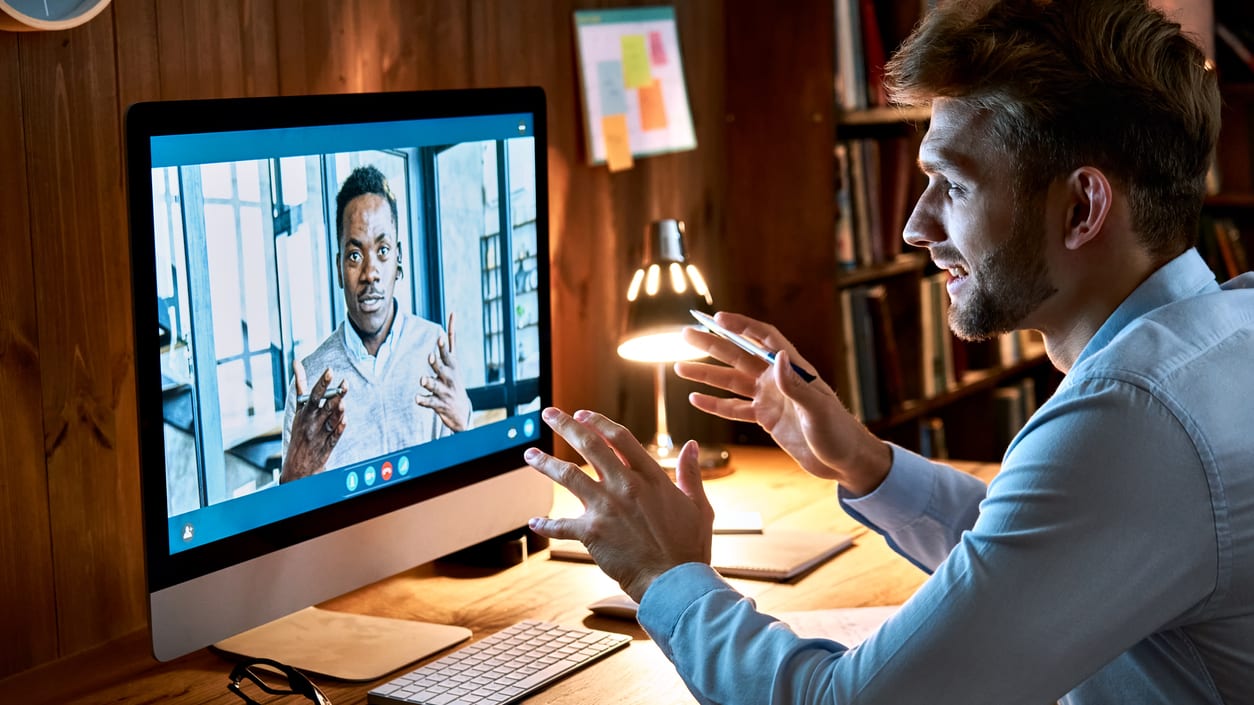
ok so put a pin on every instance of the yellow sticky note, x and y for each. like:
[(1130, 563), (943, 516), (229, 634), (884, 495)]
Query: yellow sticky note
[(617, 144), (636, 71), (652, 107)]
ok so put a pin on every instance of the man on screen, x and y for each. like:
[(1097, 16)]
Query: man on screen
[(396, 379)]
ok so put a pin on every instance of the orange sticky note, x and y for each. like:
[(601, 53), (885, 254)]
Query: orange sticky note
[(652, 107), (617, 143)]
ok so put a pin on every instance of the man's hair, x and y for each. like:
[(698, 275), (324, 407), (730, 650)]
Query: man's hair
[(363, 180), (1111, 84)]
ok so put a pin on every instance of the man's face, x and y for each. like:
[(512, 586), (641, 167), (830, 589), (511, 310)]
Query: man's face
[(368, 265), (991, 242)]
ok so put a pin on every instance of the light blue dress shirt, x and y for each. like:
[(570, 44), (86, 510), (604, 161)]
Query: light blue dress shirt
[(1110, 561)]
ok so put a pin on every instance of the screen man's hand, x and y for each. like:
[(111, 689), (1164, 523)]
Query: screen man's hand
[(443, 391), (316, 428)]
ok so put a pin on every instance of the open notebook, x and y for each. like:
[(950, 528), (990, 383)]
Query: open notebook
[(774, 554)]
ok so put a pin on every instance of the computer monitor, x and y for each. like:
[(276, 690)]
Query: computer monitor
[(363, 234)]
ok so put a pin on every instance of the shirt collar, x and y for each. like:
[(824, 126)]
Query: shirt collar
[(357, 349), (1185, 276)]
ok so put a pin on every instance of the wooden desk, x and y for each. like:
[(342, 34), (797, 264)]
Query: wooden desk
[(485, 601)]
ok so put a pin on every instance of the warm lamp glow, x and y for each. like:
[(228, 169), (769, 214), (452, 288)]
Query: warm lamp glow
[(678, 282), (633, 289), (658, 347)]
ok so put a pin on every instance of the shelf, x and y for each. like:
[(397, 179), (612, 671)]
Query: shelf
[(1230, 200), (973, 382), (883, 116), (902, 264)]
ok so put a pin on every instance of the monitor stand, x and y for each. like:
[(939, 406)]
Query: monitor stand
[(351, 647)]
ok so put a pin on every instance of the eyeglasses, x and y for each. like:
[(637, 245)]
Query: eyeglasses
[(276, 679)]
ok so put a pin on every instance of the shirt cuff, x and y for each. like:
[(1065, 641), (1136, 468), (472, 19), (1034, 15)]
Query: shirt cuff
[(671, 594), (903, 496)]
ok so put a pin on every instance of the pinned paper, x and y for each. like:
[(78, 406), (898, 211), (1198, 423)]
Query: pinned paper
[(652, 107), (617, 143), (631, 70), (657, 49), (610, 83), (636, 73)]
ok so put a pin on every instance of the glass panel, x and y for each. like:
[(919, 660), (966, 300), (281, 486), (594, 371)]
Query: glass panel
[(469, 243), (525, 277)]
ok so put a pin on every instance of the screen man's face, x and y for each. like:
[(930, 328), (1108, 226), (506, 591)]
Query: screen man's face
[(369, 259)]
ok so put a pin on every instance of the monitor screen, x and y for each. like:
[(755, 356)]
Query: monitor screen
[(341, 318)]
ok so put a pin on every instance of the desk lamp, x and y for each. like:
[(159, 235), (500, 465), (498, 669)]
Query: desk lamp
[(662, 292)]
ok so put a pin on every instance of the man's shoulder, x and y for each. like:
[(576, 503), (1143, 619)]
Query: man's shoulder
[(1172, 345), (331, 349), (418, 330)]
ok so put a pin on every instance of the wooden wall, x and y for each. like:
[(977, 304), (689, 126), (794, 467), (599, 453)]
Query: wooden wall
[(71, 567)]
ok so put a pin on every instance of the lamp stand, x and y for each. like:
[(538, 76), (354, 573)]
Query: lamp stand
[(713, 459)]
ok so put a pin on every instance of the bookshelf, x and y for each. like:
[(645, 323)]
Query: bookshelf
[(1226, 230)]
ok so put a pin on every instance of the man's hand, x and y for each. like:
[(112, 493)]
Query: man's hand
[(636, 523), (316, 428), (807, 420), (445, 394)]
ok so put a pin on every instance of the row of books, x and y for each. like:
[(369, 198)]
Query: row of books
[(867, 31), (876, 189), (899, 352), (1012, 405), (1220, 243)]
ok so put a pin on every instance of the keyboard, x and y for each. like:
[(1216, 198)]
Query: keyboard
[(502, 668)]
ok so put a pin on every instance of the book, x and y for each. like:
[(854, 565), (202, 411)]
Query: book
[(927, 342), (862, 206), (846, 249), (774, 554), (854, 400), (891, 383), (1008, 406), (864, 348), (850, 61), (932, 442), (874, 54)]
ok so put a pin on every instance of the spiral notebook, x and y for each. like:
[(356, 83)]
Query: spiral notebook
[(774, 554)]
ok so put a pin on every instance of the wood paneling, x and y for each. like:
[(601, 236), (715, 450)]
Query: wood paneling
[(80, 256), (353, 46), (69, 490), (781, 174), (28, 611)]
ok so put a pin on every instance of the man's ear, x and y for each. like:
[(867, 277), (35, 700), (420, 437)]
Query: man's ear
[(1090, 198), (400, 261), (339, 268)]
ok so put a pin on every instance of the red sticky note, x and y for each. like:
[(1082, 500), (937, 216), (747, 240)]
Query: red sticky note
[(657, 48)]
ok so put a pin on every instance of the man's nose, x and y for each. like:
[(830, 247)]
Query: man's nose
[(923, 228)]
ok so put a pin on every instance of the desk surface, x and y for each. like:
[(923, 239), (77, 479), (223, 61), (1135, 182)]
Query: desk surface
[(765, 480)]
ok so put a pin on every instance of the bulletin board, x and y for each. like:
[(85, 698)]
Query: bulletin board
[(634, 98)]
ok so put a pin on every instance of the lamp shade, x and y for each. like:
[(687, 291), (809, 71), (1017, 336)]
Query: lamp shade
[(661, 293)]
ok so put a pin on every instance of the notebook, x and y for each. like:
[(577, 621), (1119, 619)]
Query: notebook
[(774, 554)]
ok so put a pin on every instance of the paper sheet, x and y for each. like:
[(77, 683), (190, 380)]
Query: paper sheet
[(848, 625)]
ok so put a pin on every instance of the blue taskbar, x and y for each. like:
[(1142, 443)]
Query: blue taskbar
[(218, 521)]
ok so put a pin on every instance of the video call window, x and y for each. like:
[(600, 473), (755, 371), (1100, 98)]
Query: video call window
[(248, 284)]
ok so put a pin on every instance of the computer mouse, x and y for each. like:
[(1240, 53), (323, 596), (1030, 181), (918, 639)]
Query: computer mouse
[(618, 606)]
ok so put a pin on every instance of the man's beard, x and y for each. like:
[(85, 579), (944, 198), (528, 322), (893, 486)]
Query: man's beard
[(1008, 283)]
